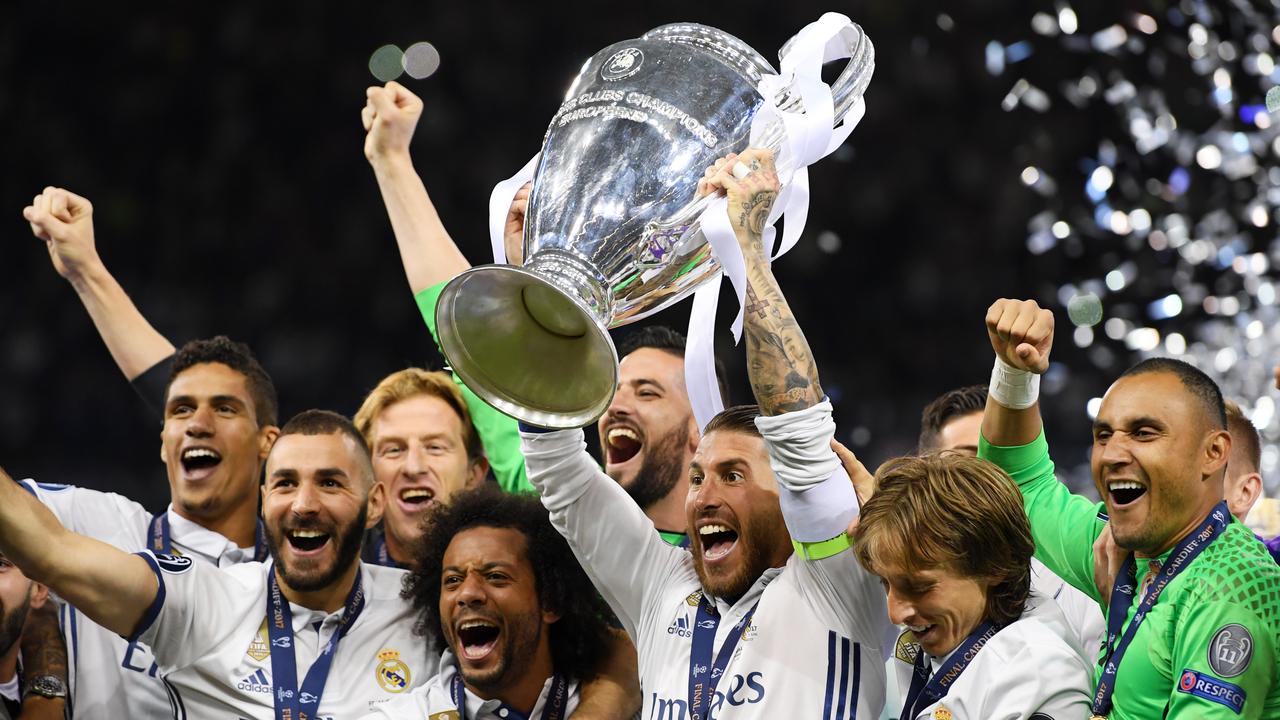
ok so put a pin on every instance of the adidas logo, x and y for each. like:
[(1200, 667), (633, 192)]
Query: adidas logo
[(680, 627), (255, 683)]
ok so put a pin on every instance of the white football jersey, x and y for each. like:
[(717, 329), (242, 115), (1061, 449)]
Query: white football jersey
[(1030, 670), (1083, 614), (112, 678), (208, 632), (813, 647), (435, 696)]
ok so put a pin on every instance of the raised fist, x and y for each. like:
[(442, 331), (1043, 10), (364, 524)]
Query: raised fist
[(390, 116), (1021, 333), (64, 221)]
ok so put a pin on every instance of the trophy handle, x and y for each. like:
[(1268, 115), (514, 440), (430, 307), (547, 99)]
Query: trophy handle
[(853, 80)]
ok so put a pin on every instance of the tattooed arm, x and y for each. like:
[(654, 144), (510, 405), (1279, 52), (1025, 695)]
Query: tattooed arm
[(783, 375), (44, 652)]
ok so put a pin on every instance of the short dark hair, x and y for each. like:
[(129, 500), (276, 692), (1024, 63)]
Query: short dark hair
[(327, 422), (951, 511), (238, 357), (661, 337), (739, 418), (1244, 437), (1194, 380), (947, 407), (580, 638)]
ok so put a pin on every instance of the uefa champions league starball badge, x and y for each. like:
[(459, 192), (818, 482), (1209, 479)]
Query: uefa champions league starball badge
[(623, 64)]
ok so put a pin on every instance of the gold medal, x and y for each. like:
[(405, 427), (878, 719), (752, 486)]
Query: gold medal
[(1098, 717)]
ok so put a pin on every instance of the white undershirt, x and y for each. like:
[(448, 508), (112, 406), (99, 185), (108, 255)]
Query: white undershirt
[(10, 690)]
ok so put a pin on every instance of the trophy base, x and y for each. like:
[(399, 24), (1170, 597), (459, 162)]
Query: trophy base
[(526, 346)]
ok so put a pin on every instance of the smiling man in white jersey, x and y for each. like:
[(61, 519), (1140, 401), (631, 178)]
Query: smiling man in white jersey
[(312, 634), (220, 420), (739, 626)]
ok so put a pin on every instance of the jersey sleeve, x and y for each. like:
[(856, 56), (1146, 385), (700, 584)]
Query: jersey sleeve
[(1223, 660), (195, 609), (611, 536), (1063, 526), (108, 517), (499, 433), (818, 503)]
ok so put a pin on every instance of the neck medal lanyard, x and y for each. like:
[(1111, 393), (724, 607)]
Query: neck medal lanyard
[(926, 690), (552, 709), (292, 703), (162, 541), (703, 673), (1122, 599), (382, 556)]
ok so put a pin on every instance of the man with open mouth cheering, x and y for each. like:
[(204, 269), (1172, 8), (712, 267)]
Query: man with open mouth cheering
[(1193, 619)]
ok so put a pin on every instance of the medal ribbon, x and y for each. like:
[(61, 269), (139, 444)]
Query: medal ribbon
[(703, 673), (552, 709), (162, 542), (290, 702), (926, 690), (1122, 593)]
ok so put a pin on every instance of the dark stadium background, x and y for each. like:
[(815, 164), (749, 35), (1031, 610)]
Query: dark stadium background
[(221, 146)]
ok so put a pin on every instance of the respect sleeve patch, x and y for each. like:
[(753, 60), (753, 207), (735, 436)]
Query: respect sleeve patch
[(1204, 685)]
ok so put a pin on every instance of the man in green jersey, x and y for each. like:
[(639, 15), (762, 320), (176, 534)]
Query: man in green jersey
[(1194, 619)]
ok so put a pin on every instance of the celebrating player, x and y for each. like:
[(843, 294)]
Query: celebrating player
[(516, 618), (948, 536), (313, 633), (1193, 618), (952, 423), (738, 625)]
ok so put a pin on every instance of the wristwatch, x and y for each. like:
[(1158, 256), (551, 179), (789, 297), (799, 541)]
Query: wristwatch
[(46, 686)]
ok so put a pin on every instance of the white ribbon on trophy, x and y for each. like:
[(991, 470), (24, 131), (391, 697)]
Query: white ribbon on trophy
[(808, 136)]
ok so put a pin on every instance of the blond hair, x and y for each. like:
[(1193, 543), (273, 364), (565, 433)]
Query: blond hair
[(410, 383), (952, 512)]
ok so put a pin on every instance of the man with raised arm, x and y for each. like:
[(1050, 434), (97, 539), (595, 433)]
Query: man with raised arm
[(313, 633), (647, 435), (739, 625), (1193, 620)]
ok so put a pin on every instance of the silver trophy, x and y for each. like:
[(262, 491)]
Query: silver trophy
[(611, 232)]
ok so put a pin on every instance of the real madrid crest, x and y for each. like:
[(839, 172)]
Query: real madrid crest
[(392, 674), (445, 715), (622, 64), (941, 713)]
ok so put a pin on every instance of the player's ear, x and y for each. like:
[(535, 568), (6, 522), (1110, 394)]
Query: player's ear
[(39, 594), (377, 504), (266, 438), (477, 470)]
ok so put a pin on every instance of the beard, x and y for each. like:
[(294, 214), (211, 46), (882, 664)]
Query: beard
[(347, 541), (662, 468), (12, 622), (758, 543), (519, 645)]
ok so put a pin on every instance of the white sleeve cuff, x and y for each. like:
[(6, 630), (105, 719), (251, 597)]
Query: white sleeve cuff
[(818, 500)]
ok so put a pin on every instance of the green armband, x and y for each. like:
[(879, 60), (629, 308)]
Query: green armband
[(824, 549)]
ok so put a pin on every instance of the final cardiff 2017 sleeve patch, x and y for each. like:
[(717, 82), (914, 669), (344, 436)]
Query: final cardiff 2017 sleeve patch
[(1204, 685)]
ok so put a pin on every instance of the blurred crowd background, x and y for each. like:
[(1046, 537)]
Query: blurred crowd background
[(1120, 150)]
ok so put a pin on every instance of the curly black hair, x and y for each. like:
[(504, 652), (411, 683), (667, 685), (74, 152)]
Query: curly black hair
[(580, 638), (238, 357)]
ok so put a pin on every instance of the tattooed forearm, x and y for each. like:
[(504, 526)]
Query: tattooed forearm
[(44, 652), (783, 375), (755, 211)]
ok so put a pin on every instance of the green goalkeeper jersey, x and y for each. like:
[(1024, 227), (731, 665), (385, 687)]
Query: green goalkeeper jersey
[(1209, 648), (499, 434)]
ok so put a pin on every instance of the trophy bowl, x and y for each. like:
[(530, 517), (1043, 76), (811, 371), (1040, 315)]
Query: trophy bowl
[(611, 232)]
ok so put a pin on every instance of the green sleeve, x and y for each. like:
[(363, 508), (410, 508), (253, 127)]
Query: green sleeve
[(1223, 663), (499, 433), (1063, 526)]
